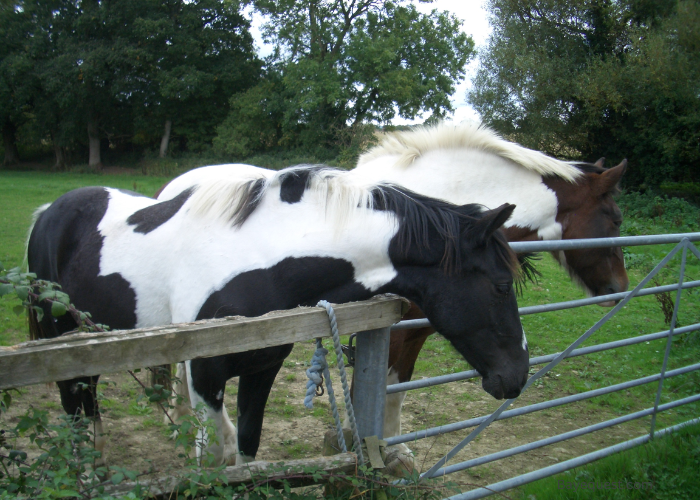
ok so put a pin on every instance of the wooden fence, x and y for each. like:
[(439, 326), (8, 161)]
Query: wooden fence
[(83, 354)]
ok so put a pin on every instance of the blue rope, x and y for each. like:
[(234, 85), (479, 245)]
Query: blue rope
[(319, 366)]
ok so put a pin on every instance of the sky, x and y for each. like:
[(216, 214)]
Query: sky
[(474, 22)]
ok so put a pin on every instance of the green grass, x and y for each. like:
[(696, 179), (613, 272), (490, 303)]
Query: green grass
[(666, 468)]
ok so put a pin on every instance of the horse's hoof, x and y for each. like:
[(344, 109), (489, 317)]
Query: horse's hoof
[(399, 461)]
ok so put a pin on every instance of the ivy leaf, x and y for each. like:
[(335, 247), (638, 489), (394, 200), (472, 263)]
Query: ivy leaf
[(18, 310), (17, 455), (47, 295), (22, 292), (6, 288), (63, 297), (58, 309), (6, 399), (39, 313), (117, 478)]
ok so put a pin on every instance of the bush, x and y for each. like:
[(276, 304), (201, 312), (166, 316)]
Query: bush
[(643, 211)]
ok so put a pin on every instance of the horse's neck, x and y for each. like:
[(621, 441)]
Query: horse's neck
[(464, 176)]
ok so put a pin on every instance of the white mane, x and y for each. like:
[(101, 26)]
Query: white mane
[(229, 199), (413, 144)]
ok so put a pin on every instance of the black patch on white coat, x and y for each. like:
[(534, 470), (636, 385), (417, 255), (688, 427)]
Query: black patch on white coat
[(290, 283), (293, 184), (150, 218), (249, 200), (65, 247)]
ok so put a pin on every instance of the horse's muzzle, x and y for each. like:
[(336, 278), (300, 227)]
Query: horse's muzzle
[(496, 386)]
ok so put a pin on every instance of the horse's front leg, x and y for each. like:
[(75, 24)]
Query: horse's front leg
[(253, 391), (80, 395), (399, 457), (208, 389)]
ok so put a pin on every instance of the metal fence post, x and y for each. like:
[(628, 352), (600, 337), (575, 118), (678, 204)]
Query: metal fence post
[(369, 393)]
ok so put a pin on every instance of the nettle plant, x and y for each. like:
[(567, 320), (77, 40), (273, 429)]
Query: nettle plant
[(64, 464)]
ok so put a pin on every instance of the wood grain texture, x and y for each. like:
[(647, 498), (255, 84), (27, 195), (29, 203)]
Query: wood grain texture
[(85, 354), (163, 486)]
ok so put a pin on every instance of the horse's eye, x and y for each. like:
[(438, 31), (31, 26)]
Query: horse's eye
[(617, 223), (503, 288)]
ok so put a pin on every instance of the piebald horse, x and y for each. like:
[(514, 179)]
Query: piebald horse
[(469, 163), (247, 247)]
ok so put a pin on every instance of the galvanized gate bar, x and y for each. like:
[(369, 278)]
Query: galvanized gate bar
[(559, 306), (371, 359), (524, 410), (539, 360), (564, 466), (474, 462), (624, 241), (555, 362), (674, 317)]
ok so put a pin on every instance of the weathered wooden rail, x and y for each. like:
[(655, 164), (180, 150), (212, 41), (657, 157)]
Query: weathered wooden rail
[(293, 472), (84, 354)]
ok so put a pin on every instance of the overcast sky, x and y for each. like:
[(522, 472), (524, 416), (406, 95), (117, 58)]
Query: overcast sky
[(474, 22)]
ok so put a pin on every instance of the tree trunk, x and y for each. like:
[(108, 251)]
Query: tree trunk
[(60, 158), (10, 142), (166, 139), (94, 141)]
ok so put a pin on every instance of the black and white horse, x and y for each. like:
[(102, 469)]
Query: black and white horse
[(277, 242)]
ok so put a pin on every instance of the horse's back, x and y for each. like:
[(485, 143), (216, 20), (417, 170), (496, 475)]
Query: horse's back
[(212, 172)]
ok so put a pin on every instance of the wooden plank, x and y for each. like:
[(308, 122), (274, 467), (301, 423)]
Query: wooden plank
[(84, 354), (344, 463)]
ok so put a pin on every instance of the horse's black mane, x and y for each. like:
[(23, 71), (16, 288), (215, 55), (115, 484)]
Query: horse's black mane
[(420, 213)]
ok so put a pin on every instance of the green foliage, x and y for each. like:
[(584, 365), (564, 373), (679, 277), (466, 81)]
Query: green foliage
[(645, 212), (338, 65), (584, 79), (120, 69)]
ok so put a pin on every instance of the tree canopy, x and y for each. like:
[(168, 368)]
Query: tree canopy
[(88, 72), (338, 64), (589, 78), (128, 74)]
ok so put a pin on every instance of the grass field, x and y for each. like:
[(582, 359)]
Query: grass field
[(22, 192), (666, 468)]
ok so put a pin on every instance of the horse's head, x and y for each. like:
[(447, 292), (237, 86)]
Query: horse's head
[(470, 299), (587, 210)]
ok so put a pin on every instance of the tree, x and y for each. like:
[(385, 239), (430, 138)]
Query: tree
[(16, 85), (340, 63), (81, 73), (585, 79), (199, 53)]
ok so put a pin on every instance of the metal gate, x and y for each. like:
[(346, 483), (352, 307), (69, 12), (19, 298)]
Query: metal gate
[(683, 247)]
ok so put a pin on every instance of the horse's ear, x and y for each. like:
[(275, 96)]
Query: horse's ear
[(600, 163), (608, 180), (491, 221)]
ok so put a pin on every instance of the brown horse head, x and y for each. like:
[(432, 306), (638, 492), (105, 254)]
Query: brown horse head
[(587, 210)]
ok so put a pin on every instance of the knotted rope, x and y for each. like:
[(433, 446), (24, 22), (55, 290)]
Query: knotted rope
[(316, 374)]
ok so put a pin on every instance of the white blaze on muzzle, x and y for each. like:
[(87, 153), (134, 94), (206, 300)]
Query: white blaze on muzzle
[(524, 342)]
